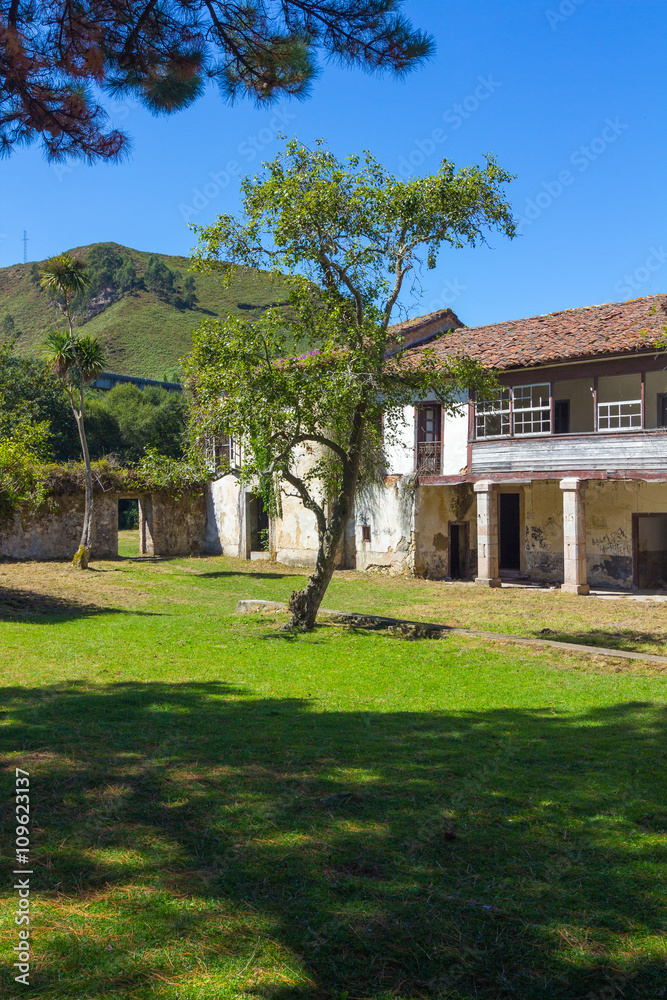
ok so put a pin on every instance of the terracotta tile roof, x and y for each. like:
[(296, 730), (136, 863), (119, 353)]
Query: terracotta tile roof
[(594, 331), (414, 331)]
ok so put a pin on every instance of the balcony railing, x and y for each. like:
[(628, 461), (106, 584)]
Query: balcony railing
[(429, 458)]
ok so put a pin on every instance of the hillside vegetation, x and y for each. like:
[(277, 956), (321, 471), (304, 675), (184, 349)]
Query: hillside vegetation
[(142, 306)]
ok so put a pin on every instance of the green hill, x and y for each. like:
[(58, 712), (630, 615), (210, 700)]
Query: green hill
[(144, 317)]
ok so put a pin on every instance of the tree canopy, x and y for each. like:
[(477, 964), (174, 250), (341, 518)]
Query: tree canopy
[(347, 235), (55, 56)]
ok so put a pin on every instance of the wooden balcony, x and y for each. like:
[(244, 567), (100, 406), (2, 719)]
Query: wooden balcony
[(623, 451)]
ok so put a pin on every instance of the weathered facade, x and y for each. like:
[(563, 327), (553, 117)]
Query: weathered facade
[(167, 526), (561, 478)]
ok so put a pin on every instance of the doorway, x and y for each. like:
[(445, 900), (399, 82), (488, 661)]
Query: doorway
[(510, 532), (649, 549), (258, 524), (128, 528), (458, 551)]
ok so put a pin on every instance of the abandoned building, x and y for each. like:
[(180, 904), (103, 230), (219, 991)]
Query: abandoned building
[(561, 478)]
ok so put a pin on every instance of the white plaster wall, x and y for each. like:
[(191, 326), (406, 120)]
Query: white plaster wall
[(455, 440), (294, 540), (401, 453), (579, 391), (225, 517), (389, 512)]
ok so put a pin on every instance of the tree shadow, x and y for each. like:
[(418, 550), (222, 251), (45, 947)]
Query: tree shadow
[(492, 854), (17, 604), (223, 574)]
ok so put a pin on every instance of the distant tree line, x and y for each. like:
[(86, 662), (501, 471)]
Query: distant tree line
[(124, 422)]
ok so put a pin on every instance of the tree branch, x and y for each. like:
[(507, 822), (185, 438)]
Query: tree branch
[(308, 502)]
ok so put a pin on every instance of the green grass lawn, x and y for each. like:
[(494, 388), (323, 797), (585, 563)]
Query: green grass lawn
[(223, 810), (128, 543)]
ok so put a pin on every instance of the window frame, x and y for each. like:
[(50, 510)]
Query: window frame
[(507, 414)]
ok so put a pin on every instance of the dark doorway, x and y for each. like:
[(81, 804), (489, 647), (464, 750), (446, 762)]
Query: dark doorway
[(510, 531), (562, 416), (128, 528), (258, 521), (650, 551), (458, 551)]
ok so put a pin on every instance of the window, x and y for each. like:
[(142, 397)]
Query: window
[(222, 453), (532, 412), (620, 416), (493, 416), (428, 429), (523, 410), (365, 532), (429, 444)]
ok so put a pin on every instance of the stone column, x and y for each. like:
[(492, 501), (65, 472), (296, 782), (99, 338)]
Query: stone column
[(574, 537), (487, 534)]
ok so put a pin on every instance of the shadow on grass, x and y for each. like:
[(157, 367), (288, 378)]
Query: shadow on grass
[(17, 604), (300, 854), (223, 574)]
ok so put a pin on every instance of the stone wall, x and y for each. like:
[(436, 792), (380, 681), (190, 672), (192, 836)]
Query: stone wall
[(167, 527), (436, 507), (54, 531), (172, 527)]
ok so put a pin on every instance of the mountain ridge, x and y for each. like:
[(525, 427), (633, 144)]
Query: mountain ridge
[(145, 328)]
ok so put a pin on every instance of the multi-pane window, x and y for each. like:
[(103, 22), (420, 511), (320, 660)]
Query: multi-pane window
[(620, 416), (532, 409), (493, 416), (525, 409), (429, 439), (222, 452)]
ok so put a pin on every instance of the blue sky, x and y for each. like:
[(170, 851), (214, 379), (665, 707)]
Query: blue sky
[(569, 94)]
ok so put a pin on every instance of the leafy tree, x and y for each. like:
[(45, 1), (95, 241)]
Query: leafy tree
[(161, 53), (23, 448), (103, 432), (8, 328), (149, 418), (126, 277), (190, 296), (348, 235), (102, 264), (159, 278), (75, 361), (31, 395)]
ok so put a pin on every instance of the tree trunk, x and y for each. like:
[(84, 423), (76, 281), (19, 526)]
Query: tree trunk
[(82, 554), (304, 604)]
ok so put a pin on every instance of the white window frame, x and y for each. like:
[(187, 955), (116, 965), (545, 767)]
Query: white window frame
[(610, 416), (507, 412), (490, 408), (531, 409)]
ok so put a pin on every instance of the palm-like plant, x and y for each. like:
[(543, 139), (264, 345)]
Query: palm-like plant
[(75, 361)]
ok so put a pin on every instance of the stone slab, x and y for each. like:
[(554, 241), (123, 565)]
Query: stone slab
[(251, 606)]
